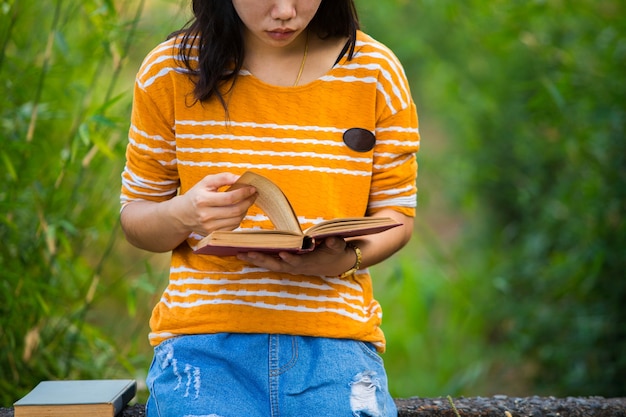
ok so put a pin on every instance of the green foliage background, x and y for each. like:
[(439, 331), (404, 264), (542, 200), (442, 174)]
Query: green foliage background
[(513, 282)]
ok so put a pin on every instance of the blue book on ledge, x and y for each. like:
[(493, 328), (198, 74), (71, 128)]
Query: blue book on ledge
[(94, 398)]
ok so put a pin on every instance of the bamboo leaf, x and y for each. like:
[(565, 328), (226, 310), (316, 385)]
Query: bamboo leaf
[(109, 103), (98, 139), (61, 43), (5, 7), (9, 166), (84, 134)]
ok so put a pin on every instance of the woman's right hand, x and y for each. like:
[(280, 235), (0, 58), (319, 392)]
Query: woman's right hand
[(162, 226), (203, 209)]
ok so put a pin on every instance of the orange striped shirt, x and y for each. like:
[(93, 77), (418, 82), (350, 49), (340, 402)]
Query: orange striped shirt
[(294, 136)]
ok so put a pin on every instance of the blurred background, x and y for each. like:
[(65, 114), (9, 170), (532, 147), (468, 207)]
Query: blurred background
[(514, 281)]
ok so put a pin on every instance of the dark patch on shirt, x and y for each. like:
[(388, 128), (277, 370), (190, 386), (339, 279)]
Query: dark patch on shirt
[(358, 139)]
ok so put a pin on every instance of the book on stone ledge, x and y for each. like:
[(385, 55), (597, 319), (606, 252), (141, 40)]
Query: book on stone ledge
[(93, 398), (288, 235)]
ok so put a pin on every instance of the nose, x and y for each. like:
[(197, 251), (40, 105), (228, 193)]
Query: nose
[(283, 10)]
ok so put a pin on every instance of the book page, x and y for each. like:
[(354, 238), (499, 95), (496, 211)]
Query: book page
[(351, 226), (272, 201), (254, 238), (266, 241)]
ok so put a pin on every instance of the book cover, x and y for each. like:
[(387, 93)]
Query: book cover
[(97, 398)]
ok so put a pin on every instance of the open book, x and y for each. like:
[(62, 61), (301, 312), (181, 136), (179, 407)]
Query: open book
[(288, 235)]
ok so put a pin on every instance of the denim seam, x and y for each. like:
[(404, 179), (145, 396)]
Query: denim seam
[(273, 364), (294, 357), (151, 387)]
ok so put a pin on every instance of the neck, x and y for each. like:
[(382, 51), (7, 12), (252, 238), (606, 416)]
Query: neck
[(306, 50), (278, 65)]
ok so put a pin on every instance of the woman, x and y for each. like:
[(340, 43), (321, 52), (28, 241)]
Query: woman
[(293, 90)]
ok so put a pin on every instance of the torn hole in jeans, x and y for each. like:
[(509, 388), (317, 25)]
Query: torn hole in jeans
[(366, 397), (191, 377)]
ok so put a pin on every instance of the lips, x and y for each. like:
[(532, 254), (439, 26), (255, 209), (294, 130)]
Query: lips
[(281, 33)]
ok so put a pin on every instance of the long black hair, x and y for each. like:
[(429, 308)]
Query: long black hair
[(217, 31)]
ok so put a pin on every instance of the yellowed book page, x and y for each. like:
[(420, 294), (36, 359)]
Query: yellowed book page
[(339, 226), (70, 410), (272, 201), (254, 238)]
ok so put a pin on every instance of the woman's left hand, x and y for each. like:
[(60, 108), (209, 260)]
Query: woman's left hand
[(330, 258)]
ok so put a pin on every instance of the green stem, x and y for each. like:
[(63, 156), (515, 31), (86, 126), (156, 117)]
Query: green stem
[(82, 313), (456, 412), (44, 72), (125, 50), (5, 41)]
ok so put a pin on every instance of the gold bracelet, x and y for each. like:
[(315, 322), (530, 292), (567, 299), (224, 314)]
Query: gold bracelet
[(357, 264)]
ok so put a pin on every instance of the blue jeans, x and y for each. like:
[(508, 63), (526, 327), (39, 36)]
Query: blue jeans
[(236, 375)]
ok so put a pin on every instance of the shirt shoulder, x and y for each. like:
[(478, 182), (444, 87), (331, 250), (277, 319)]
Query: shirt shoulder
[(368, 48), (381, 63), (164, 60)]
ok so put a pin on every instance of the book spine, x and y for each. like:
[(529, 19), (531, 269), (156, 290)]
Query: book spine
[(126, 395)]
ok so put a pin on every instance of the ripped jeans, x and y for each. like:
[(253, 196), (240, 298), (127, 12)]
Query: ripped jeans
[(236, 375)]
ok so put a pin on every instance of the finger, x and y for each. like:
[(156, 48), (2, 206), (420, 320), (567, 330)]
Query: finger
[(215, 181), (262, 260), (290, 259), (335, 244)]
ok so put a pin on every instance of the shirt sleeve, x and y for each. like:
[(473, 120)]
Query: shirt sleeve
[(397, 141), (151, 173)]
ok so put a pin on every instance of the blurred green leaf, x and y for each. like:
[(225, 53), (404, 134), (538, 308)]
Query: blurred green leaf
[(10, 169)]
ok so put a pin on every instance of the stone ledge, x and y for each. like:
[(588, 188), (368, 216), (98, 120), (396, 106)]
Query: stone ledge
[(503, 406), (496, 406)]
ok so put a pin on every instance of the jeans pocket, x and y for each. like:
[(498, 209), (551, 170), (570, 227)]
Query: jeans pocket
[(370, 350)]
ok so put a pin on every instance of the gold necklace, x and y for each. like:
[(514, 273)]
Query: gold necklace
[(306, 50)]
